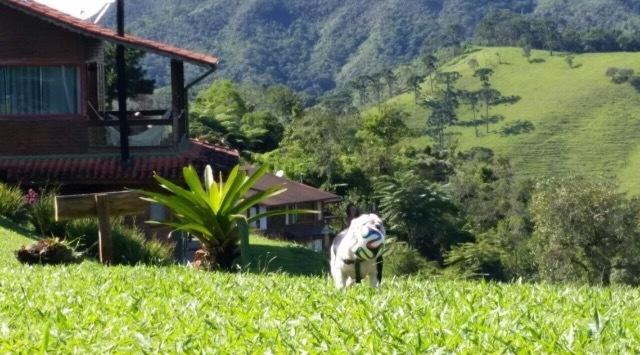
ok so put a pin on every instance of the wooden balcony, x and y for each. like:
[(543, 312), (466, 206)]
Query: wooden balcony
[(148, 130)]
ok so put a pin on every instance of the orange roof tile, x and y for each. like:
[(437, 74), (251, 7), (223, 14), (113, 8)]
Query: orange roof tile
[(108, 170), (92, 30)]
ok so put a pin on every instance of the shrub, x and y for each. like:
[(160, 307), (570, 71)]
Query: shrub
[(619, 75), (129, 244), (42, 216), (481, 259), (216, 212), (403, 260), (635, 82), (12, 204), (48, 252)]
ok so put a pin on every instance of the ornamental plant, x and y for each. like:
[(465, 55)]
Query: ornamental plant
[(216, 213)]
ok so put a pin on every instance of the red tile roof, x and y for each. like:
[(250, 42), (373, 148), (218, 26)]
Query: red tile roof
[(296, 192), (91, 30), (108, 170)]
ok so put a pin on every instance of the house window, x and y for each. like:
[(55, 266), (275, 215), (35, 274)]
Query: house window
[(39, 90), (302, 218)]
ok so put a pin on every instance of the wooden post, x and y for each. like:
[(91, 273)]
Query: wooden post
[(178, 100), (104, 223), (121, 74), (103, 206)]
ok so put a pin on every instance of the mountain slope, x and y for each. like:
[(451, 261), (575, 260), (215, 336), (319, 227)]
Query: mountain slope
[(314, 45), (308, 45), (584, 123)]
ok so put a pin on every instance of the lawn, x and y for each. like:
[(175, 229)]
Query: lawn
[(584, 123), (88, 308)]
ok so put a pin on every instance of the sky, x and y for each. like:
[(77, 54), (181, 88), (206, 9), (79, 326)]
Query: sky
[(78, 8)]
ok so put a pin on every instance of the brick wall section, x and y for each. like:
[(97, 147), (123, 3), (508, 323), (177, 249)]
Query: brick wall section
[(25, 40), (43, 136)]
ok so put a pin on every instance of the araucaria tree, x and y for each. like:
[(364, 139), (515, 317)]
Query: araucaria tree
[(430, 63), (490, 97), (376, 85), (472, 99), (442, 104), (413, 83), (390, 79)]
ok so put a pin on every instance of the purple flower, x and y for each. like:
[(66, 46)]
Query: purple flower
[(31, 198)]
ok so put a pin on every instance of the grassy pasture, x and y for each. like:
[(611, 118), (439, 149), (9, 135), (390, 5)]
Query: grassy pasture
[(88, 308), (584, 123)]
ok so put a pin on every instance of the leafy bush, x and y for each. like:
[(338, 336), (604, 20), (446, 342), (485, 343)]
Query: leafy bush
[(403, 260), (12, 204), (620, 75), (216, 212), (481, 259), (129, 244), (42, 215)]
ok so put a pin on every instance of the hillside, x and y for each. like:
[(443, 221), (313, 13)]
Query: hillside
[(89, 308), (584, 123), (313, 46)]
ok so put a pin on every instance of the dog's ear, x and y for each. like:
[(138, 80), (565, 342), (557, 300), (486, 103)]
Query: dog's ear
[(352, 213)]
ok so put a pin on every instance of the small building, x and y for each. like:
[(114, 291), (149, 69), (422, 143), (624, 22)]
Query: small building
[(54, 128), (306, 229)]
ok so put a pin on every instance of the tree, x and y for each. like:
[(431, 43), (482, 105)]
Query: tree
[(339, 102), (263, 131), (284, 103), (217, 115), (419, 213), (442, 106), (383, 127), (472, 98), (430, 63), (473, 64), (390, 79), (216, 212), (137, 84), (413, 83), (376, 85), (569, 59), (581, 227), (319, 148), (526, 52), (361, 85), (491, 97)]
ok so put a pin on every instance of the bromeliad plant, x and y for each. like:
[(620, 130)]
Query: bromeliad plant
[(216, 212)]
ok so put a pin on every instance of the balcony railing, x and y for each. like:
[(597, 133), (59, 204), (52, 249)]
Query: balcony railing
[(148, 129)]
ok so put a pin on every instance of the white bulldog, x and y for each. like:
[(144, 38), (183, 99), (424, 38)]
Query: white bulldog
[(361, 243)]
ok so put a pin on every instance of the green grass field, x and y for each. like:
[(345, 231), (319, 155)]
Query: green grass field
[(88, 308), (584, 123)]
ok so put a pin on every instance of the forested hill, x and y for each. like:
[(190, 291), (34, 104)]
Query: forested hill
[(313, 44)]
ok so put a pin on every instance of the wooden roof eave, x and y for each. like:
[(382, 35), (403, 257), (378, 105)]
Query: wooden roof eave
[(104, 34)]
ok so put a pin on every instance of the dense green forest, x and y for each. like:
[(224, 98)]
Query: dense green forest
[(314, 46), (472, 128)]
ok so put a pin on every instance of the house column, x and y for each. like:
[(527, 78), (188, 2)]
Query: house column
[(263, 221), (122, 88), (178, 101)]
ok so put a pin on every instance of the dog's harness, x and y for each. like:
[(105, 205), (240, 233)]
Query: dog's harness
[(356, 262)]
